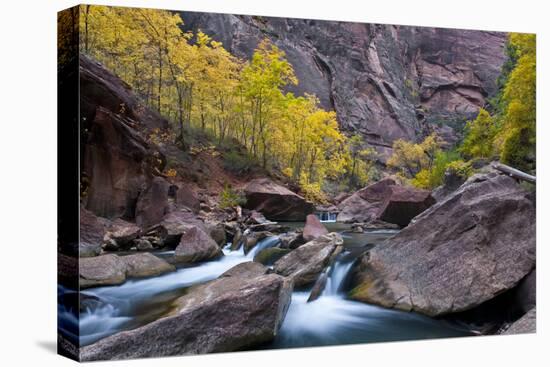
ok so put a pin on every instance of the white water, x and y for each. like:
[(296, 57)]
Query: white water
[(121, 300), (327, 217), (331, 319)]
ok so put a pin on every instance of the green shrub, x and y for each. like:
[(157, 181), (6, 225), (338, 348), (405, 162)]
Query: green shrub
[(229, 198)]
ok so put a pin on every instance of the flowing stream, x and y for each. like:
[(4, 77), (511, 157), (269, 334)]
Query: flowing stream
[(331, 319)]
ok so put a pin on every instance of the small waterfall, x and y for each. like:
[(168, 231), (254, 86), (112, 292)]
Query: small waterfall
[(263, 244), (327, 217), (336, 276), (122, 301)]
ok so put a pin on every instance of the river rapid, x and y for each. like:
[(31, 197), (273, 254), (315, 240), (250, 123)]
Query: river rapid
[(330, 320)]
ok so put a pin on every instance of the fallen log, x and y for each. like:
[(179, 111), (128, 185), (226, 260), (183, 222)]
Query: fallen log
[(515, 173)]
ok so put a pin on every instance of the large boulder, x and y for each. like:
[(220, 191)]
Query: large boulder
[(231, 313), (196, 245), (364, 205), (313, 228), (247, 269), (112, 269), (152, 205), (304, 264), (92, 230), (175, 224), (403, 204), (101, 270), (276, 202), (460, 253), (145, 265)]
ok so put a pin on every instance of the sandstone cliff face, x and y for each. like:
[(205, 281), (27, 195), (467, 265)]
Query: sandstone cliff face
[(385, 82)]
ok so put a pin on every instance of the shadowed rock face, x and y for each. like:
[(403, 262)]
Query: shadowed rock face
[(364, 205), (386, 82), (117, 163), (276, 202), (465, 250), (231, 313)]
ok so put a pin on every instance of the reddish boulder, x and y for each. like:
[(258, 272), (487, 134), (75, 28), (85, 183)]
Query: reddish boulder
[(403, 204), (276, 202), (185, 196), (313, 228), (364, 205), (152, 205)]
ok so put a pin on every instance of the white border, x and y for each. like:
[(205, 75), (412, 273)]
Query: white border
[(28, 188)]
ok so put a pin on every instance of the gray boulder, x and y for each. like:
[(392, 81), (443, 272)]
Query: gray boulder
[(463, 251), (304, 264), (145, 265), (227, 314), (196, 245), (101, 270), (112, 269)]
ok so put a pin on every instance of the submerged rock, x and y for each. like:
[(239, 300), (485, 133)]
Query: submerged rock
[(313, 228), (304, 264), (270, 255), (276, 202), (463, 251), (196, 245), (227, 314)]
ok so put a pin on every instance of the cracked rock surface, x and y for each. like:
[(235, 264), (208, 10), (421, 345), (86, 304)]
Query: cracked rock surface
[(463, 251)]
